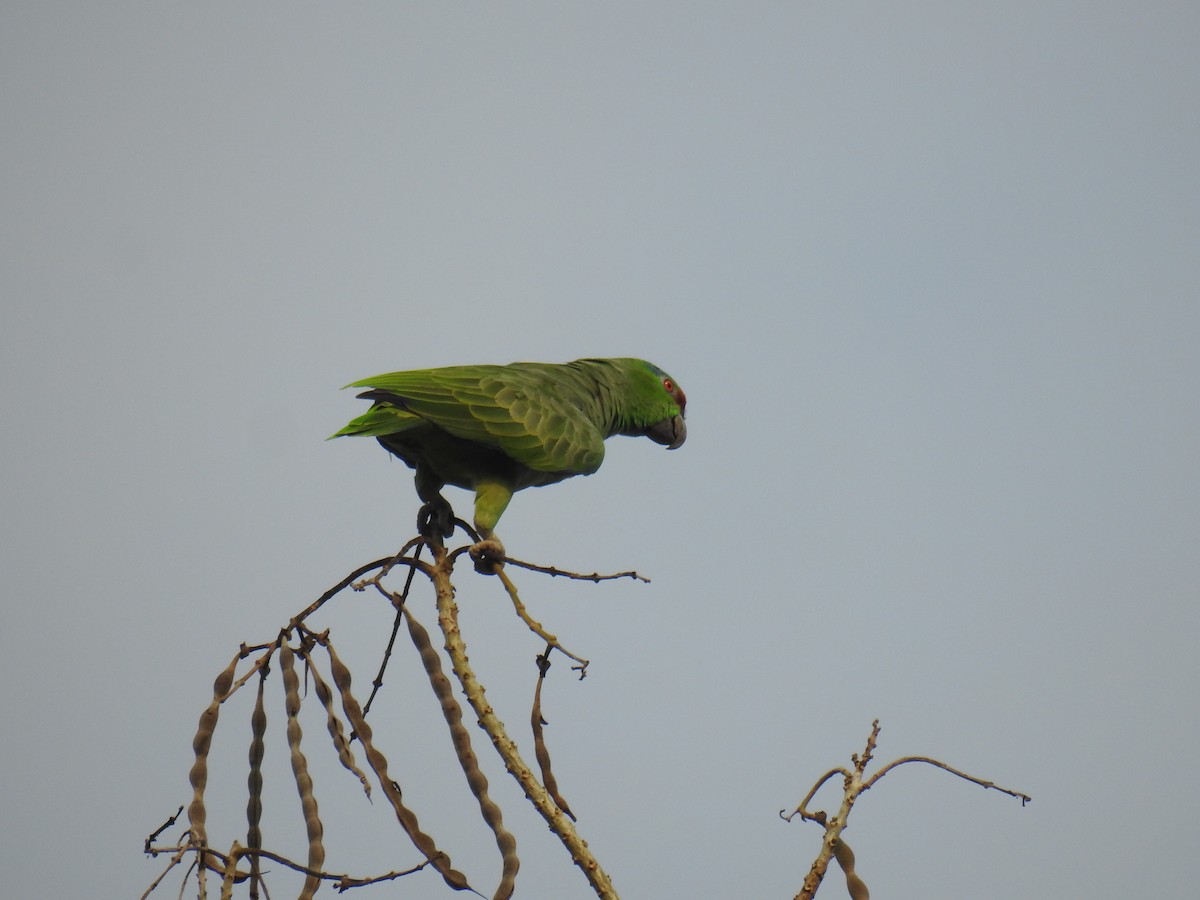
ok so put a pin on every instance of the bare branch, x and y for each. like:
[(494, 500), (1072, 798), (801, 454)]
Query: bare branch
[(180, 852), (832, 844), (536, 626), (398, 601), (554, 572), (802, 809), (344, 881), (338, 588), (153, 836), (1024, 798)]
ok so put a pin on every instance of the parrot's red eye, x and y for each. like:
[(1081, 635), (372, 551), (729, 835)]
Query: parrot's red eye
[(669, 385)]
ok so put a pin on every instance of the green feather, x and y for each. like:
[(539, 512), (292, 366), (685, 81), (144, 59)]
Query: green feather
[(499, 429)]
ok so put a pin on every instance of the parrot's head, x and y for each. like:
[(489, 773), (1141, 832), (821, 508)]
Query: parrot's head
[(663, 406)]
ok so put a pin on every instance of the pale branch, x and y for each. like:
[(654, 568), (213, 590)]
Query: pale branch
[(1024, 798), (558, 821), (177, 857), (854, 784), (536, 626), (802, 809), (229, 876)]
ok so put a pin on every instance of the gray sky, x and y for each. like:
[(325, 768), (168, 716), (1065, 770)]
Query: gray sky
[(926, 271)]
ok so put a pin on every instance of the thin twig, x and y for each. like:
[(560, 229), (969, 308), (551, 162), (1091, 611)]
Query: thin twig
[(153, 836), (398, 601), (344, 881), (387, 561), (555, 572), (536, 627), (802, 809), (1024, 798), (257, 666), (854, 784), (180, 852)]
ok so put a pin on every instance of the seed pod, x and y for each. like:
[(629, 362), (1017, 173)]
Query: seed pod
[(254, 782), (540, 750), (304, 785), (379, 765), (845, 858), (476, 780), (334, 724), (201, 743)]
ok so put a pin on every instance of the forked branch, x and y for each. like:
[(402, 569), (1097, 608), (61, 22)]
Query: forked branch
[(854, 783), (297, 642)]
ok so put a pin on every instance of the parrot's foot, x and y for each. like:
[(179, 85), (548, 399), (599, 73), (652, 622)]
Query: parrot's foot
[(488, 555), (436, 519)]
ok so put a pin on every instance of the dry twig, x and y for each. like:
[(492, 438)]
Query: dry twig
[(544, 795), (536, 627), (833, 846)]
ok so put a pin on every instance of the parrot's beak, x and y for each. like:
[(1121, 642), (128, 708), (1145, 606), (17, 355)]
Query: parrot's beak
[(672, 432)]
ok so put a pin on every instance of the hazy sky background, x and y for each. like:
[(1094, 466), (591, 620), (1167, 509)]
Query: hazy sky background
[(927, 272)]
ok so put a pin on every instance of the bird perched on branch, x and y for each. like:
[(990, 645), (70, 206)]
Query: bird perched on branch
[(499, 429)]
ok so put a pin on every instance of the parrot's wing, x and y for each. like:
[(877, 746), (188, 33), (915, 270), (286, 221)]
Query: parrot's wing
[(528, 411)]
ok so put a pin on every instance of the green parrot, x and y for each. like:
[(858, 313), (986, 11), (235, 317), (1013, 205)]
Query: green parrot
[(498, 429)]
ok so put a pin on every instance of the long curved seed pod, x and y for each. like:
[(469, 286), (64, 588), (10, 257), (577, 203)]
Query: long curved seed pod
[(476, 780), (334, 724), (254, 782), (537, 724), (379, 765), (304, 785), (198, 776)]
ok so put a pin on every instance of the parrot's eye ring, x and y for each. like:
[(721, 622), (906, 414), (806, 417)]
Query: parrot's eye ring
[(669, 385)]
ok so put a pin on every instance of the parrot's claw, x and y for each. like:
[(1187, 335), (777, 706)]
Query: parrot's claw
[(488, 555), (435, 520)]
